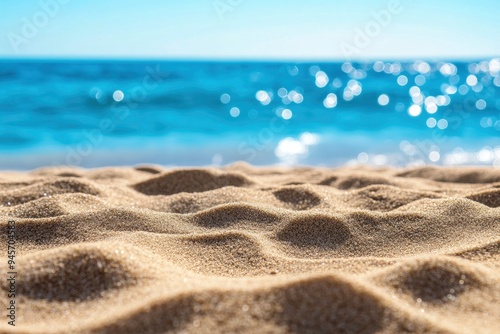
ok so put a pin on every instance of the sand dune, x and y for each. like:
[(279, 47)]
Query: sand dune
[(255, 250)]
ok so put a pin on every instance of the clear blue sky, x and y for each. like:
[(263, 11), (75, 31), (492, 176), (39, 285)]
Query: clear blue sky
[(248, 29)]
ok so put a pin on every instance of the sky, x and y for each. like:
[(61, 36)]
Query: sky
[(250, 29)]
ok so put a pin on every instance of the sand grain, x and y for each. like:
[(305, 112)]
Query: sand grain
[(244, 249)]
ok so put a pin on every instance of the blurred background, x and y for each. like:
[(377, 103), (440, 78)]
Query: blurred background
[(210, 82)]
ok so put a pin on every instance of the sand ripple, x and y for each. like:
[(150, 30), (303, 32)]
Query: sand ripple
[(244, 249)]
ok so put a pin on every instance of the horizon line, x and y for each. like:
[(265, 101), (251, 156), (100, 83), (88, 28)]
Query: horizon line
[(248, 60)]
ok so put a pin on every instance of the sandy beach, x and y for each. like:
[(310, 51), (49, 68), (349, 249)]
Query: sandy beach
[(241, 249)]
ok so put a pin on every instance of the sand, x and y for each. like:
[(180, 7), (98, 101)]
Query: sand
[(253, 250)]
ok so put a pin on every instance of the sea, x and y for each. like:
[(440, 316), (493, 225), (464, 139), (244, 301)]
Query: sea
[(92, 113)]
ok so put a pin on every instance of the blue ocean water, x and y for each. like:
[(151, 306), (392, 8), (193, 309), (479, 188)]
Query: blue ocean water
[(97, 113)]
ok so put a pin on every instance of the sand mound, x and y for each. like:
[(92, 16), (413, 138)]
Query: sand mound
[(37, 190), (384, 197), (315, 230), (191, 181), (356, 181), (490, 198), (437, 280), (240, 214), (463, 175), (150, 169), (53, 206), (298, 198), (78, 273), (243, 249)]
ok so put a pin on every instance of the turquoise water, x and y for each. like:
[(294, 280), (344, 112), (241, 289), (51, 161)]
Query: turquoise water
[(96, 113)]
